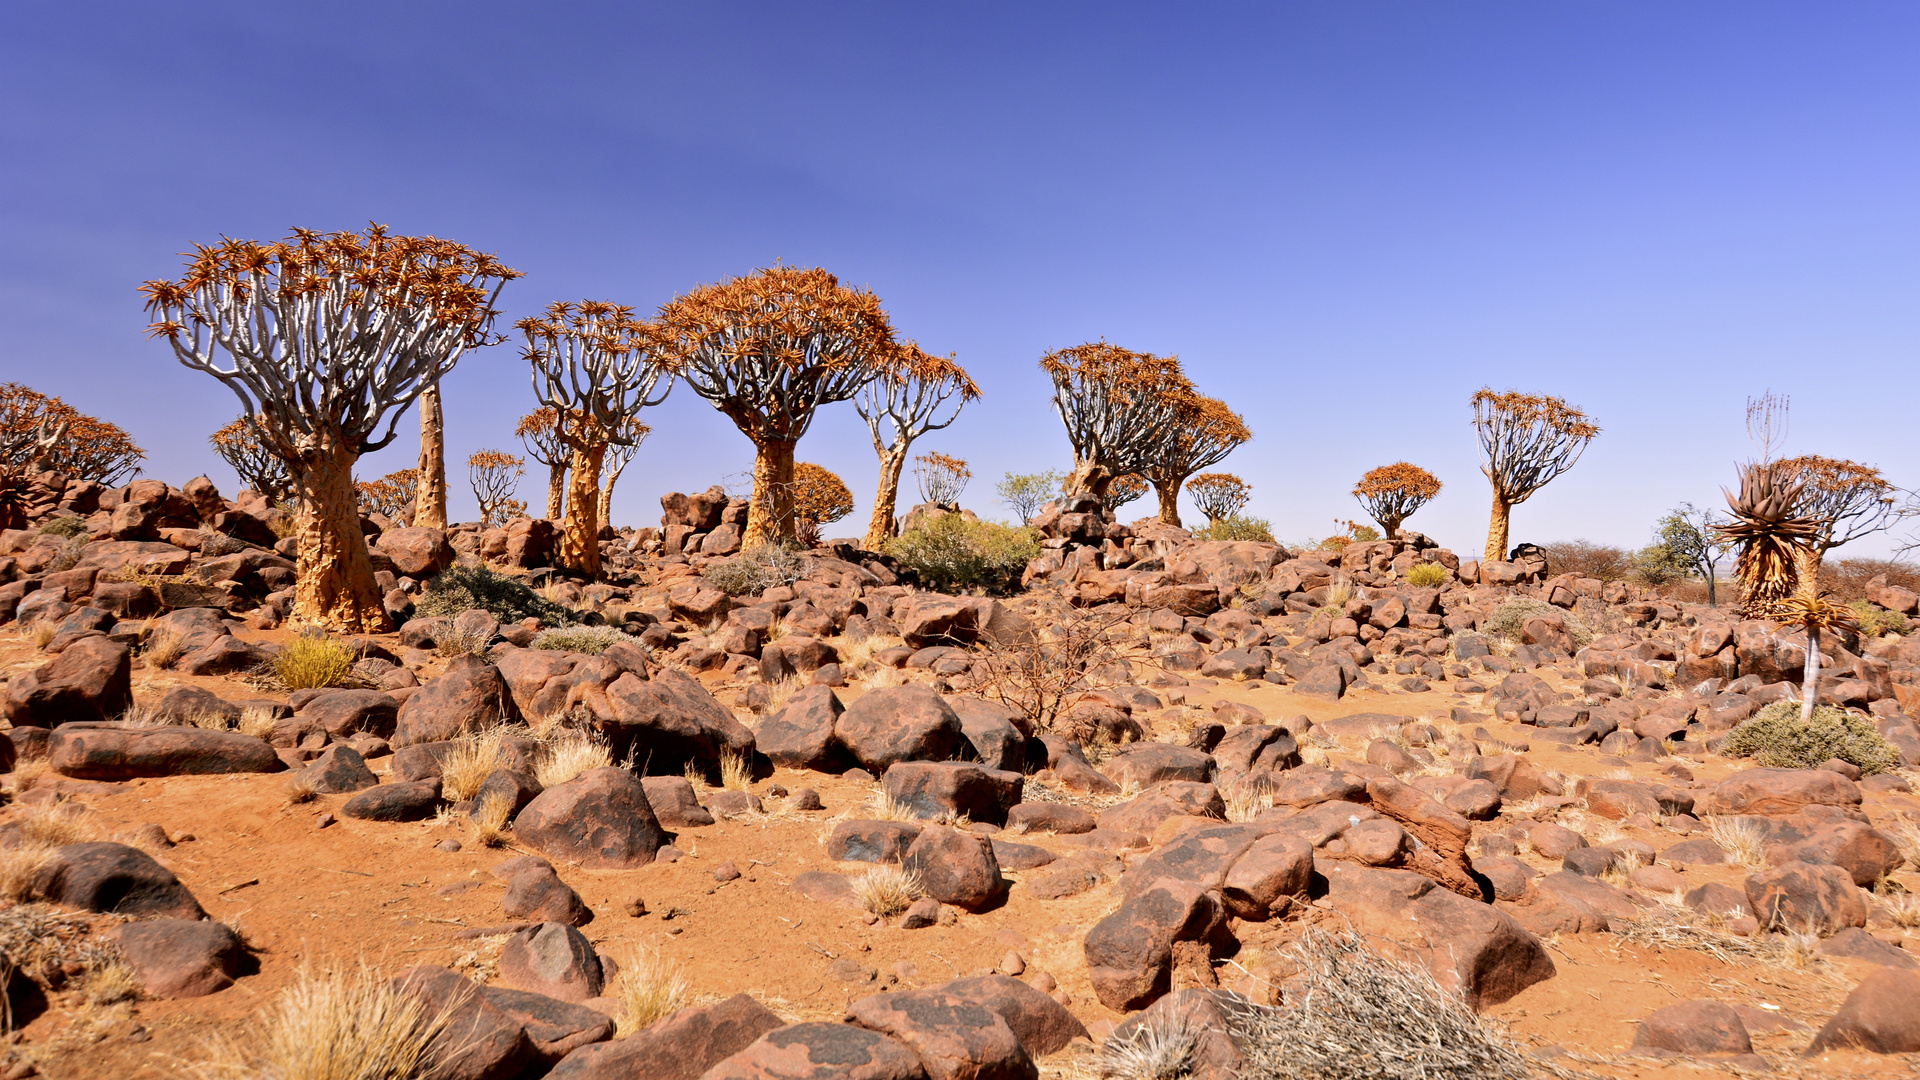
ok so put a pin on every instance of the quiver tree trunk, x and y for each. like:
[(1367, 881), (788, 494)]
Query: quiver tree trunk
[(770, 514), (1088, 478), (1497, 526), (580, 538), (334, 585), (1169, 495), (430, 501), (882, 526), (556, 486), (606, 497)]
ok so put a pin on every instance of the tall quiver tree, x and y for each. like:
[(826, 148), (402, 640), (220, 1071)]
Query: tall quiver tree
[(539, 432), (768, 350), (1206, 432), (1121, 409), (326, 338), (430, 506), (1392, 493), (1526, 440), (926, 395), (596, 366)]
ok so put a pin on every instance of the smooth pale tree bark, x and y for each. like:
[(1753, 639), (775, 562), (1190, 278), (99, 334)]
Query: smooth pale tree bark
[(430, 501), (556, 488), (334, 572), (1810, 686), (1169, 496)]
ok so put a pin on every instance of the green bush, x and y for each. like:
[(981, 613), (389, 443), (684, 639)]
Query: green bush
[(951, 553), (65, 525), (756, 570), (1238, 528), (463, 588), (1876, 622), (1776, 737), (592, 640), (1511, 617), (1427, 575)]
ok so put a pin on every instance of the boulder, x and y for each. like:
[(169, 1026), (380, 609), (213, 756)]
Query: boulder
[(871, 841), (470, 695), (956, 868), (92, 679), (409, 800), (674, 803), (821, 1051), (680, 1047), (1694, 1028), (1130, 952), (180, 958), (1266, 879), (899, 723), (668, 720), (416, 553), (1206, 1016), (600, 819), (1807, 898), (800, 734), (114, 878), (493, 1033), (342, 712), (955, 1038), (552, 959), (339, 770), (536, 892), (993, 730), (1043, 1025), (1881, 1016), (1052, 817), (1148, 763), (123, 753), (1777, 792), (933, 789), (1471, 947)]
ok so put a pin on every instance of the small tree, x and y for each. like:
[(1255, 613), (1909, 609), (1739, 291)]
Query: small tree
[(1689, 537), (927, 396), (1526, 441), (619, 455), (240, 445), (87, 448), (1206, 431), (1124, 489), (941, 478), (769, 350), (392, 496), (327, 338), (1026, 493), (539, 432), (1850, 500), (819, 495), (494, 475), (1121, 409), (596, 366), (23, 453), (1219, 495), (1392, 493)]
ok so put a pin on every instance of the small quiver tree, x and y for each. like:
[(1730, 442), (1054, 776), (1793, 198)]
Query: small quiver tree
[(1526, 440), (1121, 409), (326, 338), (241, 446), (1125, 488), (1206, 431), (596, 366), (1392, 493), (926, 395), (619, 456), (393, 496), (539, 432), (941, 479), (494, 476), (1219, 495), (820, 497), (1771, 536), (769, 350), (23, 450), (1813, 611)]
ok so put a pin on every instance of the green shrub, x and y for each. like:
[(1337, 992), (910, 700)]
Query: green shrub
[(1775, 737), (757, 569), (951, 553), (1511, 617), (313, 660), (463, 588), (65, 525), (1427, 575), (1876, 622), (592, 640), (1238, 528)]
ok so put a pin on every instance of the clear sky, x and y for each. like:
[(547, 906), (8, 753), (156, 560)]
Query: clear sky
[(1343, 217)]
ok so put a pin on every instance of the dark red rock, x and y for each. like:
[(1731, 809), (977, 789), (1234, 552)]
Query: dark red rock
[(180, 958), (1694, 1028), (1130, 952), (936, 788), (680, 1047), (91, 680), (899, 723), (600, 819), (821, 1052), (1806, 897), (113, 753), (956, 868), (115, 878), (413, 800), (954, 1037)]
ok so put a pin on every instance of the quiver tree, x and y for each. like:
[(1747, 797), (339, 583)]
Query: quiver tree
[(596, 366), (1526, 440), (22, 451), (1848, 499), (393, 496), (1391, 493), (1772, 537), (769, 350), (1812, 611), (326, 338), (539, 432), (1123, 489), (927, 395), (1219, 495), (86, 448), (241, 446), (430, 501), (820, 497), (494, 475), (1205, 433), (619, 455), (941, 478), (1121, 409)]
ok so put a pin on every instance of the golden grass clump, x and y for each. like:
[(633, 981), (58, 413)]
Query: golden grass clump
[(40, 634), (887, 889), (1744, 839), (650, 988), (162, 649), (312, 661), (469, 762), (352, 1025), (19, 866), (490, 819), (568, 757), (298, 789), (736, 771)]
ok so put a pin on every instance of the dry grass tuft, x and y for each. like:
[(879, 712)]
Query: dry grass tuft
[(695, 774), (1149, 1052), (19, 865), (566, 758), (28, 773), (110, 981), (257, 721), (1743, 839), (887, 889), (41, 634), (331, 1026), (467, 765), (490, 819), (736, 771), (1905, 831), (312, 661), (56, 825), (650, 988), (1904, 910), (1246, 801), (456, 642), (1800, 950), (298, 789)]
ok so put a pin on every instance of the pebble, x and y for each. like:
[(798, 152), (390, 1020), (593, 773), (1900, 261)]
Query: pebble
[(447, 845), (636, 907)]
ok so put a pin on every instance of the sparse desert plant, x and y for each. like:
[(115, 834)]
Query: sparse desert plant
[(1510, 617), (162, 649), (298, 789), (462, 641), (467, 764), (953, 554), (56, 824), (757, 569), (1744, 839), (1799, 948), (109, 980), (490, 819), (650, 988), (568, 757), (1359, 1015), (1237, 527), (887, 889), (591, 640), (1026, 493), (313, 660), (19, 865), (1151, 1051), (1777, 737), (1588, 559), (736, 771), (1338, 594), (1041, 671), (63, 525), (1878, 622), (257, 721), (1427, 575), (351, 1025), (462, 588)]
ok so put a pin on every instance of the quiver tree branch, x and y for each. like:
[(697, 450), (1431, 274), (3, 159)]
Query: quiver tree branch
[(240, 445), (494, 475), (1392, 493), (326, 338), (927, 395), (1121, 409), (768, 350), (539, 432), (1526, 440), (1204, 433), (40, 433), (1848, 499)]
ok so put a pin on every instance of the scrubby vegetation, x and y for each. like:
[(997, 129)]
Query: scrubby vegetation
[(1876, 622), (1510, 617), (505, 598), (64, 525), (757, 569), (313, 660), (953, 554), (1427, 576), (1776, 737), (1237, 527)]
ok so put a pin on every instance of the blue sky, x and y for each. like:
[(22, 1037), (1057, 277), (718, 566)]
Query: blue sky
[(1344, 218)]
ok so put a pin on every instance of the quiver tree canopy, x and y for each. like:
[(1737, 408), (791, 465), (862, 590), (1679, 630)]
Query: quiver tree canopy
[(391, 496), (1219, 495), (38, 433), (941, 478), (1526, 440), (240, 445), (1205, 433), (596, 366), (768, 350), (1848, 499), (494, 474), (1392, 493), (326, 338), (1121, 409), (927, 395), (1122, 490), (820, 497)]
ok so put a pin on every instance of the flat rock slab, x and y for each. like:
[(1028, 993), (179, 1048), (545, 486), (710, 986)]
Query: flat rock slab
[(103, 753)]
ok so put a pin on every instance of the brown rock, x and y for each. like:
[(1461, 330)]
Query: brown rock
[(1881, 1016), (180, 958), (90, 680), (470, 695), (552, 959), (955, 1038), (821, 1052), (1693, 1028), (600, 819), (956, 868), (681, 1047), (115, 878), (90, 753), (1807, 898), (899, 723)]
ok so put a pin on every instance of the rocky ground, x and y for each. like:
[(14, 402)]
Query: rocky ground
[(1506, 777)]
